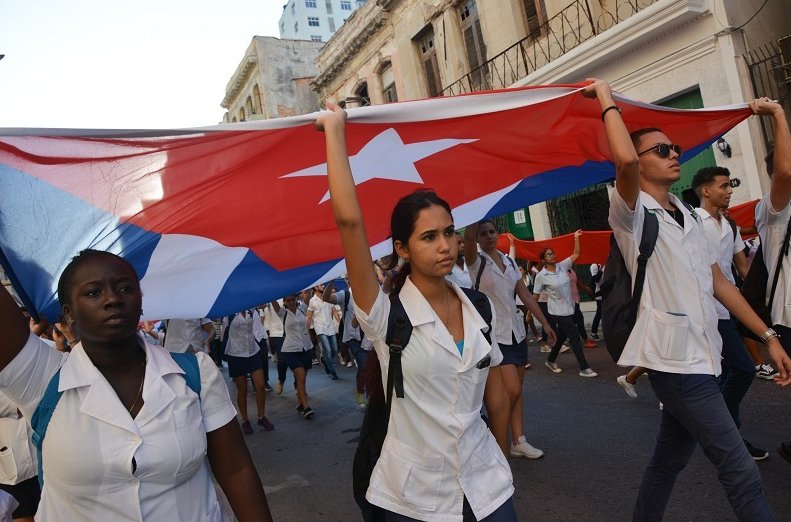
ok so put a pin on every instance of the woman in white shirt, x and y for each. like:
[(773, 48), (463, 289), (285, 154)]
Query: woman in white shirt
[(296, 348), (128, 439), (496, 275), (439, 461), (554, 280)]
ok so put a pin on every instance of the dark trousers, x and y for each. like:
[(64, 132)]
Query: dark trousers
[(694, 412), (282, 367), (545, 311), (215, 350), (579, 320), (567, 329), (738, 370), (596, 318), (505, 513)]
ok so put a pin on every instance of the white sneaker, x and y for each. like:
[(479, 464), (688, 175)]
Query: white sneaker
[(587, 372), (552, 366), (627, 386), (545, 348), (565, 348), (523, 449)]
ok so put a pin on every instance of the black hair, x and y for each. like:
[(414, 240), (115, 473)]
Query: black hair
[(639, 133), (402, 224), (706, 175), (66, 281), (543, 252)]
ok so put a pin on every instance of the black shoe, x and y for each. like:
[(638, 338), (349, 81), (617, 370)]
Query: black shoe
[(268, 387), (756, 453), (334, 376), (308, 412), (300, 410), (784, 450)]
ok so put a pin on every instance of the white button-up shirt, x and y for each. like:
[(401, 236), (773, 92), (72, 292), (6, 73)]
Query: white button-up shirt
[(722, 243), (347, 312), (91, 438), (183, 334), (296, 332), (323, 322), (438, 448), (676, 329), (241, 339), (557, 285), (460, 275), (499, 286), (272, 321), (771, 226)]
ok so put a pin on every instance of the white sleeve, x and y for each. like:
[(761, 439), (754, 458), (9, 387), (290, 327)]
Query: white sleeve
[(538, 285), (28, 374), (565, 264), (215, 402), (374, 324)]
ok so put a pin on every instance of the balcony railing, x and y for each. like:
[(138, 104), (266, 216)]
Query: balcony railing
[(575, 24)]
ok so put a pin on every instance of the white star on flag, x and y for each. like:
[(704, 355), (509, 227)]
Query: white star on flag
[(386, 156)]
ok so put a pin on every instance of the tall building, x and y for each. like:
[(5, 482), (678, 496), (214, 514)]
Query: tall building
[(315, 20), (273, 80)]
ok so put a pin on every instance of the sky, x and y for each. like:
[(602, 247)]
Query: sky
[(123, 64)]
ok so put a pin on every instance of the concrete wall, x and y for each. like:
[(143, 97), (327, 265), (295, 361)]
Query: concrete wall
[(282, 71)]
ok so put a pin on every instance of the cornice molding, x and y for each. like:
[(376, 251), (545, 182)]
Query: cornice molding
[(239, 80)]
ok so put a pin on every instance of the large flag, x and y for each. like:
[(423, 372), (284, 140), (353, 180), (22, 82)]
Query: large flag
[(221, 218)]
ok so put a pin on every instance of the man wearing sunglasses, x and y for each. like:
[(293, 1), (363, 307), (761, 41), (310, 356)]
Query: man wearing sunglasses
[(773, 219), (675, 336)]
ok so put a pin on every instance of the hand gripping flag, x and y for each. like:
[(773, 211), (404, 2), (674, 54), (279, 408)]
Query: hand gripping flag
[(219, 219)]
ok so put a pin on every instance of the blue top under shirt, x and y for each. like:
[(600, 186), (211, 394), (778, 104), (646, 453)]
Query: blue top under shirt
[(460, 346)]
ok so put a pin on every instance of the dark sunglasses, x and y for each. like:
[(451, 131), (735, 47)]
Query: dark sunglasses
[(663, 149)]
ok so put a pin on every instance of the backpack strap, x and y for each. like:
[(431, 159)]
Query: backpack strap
[(484, 308), (41, 418), (399, 331), (480, 271), (346, 295), (189, 363), (732, 223), (647, 244)]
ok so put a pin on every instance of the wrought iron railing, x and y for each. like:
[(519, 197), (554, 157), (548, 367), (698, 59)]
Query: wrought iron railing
[(575, 24), (770, 72)]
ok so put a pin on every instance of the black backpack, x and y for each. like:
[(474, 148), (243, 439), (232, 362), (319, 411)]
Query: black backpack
[(619, 301), (377, 413)]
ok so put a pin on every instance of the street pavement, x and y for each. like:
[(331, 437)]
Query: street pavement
[(597, 442)]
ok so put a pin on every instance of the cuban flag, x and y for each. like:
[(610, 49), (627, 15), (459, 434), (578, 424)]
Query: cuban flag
[(219, 219)]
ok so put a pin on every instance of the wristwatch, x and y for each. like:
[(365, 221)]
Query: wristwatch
[(768, 335)]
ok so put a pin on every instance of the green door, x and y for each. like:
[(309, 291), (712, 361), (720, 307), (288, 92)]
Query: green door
[(519, 224), (690, 100)]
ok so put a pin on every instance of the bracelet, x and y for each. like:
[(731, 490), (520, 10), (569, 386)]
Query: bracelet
[(611, 107), (770, 333)]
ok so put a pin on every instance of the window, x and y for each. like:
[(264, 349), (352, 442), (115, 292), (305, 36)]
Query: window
[(241, 115), (315, 38), (475, 46), (533, 15), (329, 6), (296, 27), (310, 3), (257, 100), (331, 22), (362, 93), (313, 21), (428, 56), (293, 8), (346, 5), (388, 83), (248, 105), (360, 3), (282, 27)]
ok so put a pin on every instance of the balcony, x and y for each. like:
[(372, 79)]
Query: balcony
[(569, 28)]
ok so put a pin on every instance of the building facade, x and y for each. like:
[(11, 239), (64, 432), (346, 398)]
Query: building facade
[(315, 20), (680, 53), (273, 80)]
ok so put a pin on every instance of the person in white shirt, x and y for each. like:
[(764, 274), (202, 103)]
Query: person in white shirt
[(675, 336), (241, 352), (597, 273), (713, 187), (188, 335), (296, 348), (496, 275), (321, 318), (773, 219), (128, 440), (555, 281), (460, 274), (439, 461), (352, 335)]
